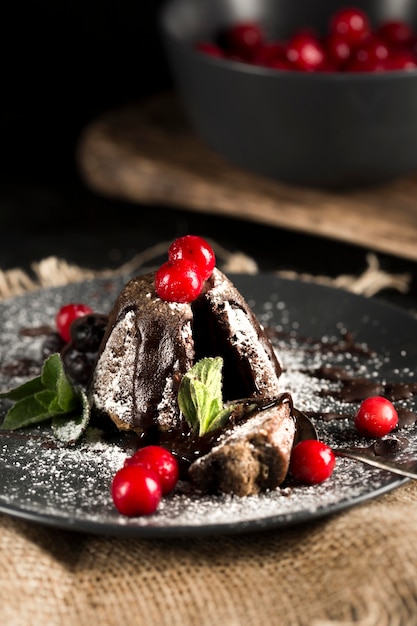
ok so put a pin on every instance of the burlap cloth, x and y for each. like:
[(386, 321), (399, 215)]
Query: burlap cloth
[(356, 567)]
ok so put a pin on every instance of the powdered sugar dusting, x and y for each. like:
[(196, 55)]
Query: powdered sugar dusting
[(69, 486), (113, 379)]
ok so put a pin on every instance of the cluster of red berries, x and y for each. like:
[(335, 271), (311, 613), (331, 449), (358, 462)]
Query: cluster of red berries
[(351, 44), (191, 261), (313, 462), (149, 474)]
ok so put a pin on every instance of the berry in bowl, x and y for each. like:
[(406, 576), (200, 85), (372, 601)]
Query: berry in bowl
[(305, 93)]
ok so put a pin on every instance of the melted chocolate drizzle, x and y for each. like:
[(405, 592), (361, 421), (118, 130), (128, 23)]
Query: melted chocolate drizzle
[(348, 387), (187, 446)]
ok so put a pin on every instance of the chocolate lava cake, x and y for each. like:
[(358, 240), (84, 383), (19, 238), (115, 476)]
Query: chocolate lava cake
[(151, 343)]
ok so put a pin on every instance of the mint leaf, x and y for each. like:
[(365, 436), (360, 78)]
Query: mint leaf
[(200, 396), (221, 418), (66, 397), (69, 428), (46, 398), (28, 388), (50, 396), (25, 412), (51, 371)]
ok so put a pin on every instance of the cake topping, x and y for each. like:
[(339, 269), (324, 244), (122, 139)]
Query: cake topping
[(195, 249), (178, 281), (200, 396), (191, 261), (49, 396)]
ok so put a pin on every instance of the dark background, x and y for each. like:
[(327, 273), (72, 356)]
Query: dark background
[(63, 64)]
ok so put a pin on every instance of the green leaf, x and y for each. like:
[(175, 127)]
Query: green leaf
[(186, 404), (66, 397), (28, 388), (221, 418), (26, 412), (200, 396), (46, 398), (51, 371), (50, 396), (69, 428)]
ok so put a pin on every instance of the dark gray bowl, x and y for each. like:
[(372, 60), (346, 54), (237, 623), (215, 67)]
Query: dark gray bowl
[(323, 129)]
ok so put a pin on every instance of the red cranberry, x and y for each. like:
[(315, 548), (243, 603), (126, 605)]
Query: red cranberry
[(376, 417), (312, 462), (402, 61), (195, 249), (244, 39), (349, 31), (236, 58), (281, 64), (136, 490), (161, 461), (372, 51), (212, 49), (412, 46), (269, 53), (178, 281), (66, 315), (351, 23), (371, 56), (367, 66), (338, 50), (305, 52), (395, 33)]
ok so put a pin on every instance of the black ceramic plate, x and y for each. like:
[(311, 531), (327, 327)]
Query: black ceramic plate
[(69, 487)]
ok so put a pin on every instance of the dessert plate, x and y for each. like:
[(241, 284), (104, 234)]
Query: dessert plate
[(69, 487)]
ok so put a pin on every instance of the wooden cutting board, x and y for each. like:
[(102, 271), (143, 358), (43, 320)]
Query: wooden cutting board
[(146, 153)]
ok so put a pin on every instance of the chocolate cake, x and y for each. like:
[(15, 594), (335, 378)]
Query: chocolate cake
[(251, 457), (150, 343)]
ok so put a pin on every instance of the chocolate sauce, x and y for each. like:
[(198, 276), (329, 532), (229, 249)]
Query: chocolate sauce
[(36, 331), (187, 446), (328, 416), (345, 344), (400, 391), (21, 367), (356, 389), (331, 372), (406, 418), (389, 446)]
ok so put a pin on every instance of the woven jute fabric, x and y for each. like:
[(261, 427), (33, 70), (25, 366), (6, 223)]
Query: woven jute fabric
[(356, 567)]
